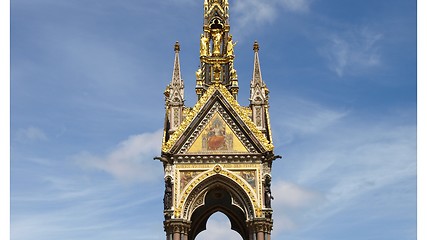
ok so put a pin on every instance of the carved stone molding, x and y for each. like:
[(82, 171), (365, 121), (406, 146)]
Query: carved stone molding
[(260, 225), (177, 226), (217, 107), (238, 193)]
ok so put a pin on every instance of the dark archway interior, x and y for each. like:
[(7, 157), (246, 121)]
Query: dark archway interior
[(216, 24), (218, 199)]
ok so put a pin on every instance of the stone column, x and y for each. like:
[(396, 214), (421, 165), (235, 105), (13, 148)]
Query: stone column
[(260, 235), (177, 229), (252, 236), (185, 230), (260, 229), (176, 235)]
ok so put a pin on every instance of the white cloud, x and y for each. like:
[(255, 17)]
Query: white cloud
[(377, 157), (368, 153), (56, 199), (295, 5), (337, 157), (343, 163), (30, 134), (131, 160), (256, 12), (303, 117), (290, 195), (352, 51), (290, 198), (70, 207)]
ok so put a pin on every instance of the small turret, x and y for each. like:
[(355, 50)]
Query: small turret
[(258, 94), (174, 95)]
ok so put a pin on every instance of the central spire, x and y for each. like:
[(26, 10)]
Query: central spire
[(216, 49)]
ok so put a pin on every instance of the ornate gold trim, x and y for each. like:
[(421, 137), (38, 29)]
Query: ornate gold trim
[(192, 113), (222, 171), (267, 114)]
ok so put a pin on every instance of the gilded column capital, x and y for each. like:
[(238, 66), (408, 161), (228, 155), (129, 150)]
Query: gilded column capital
[(177, 226), (260, 225)]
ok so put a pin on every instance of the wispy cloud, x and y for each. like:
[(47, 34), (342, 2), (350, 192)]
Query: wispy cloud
[(257, 12), (290, 195), (295, 5), (352, 51), (62, 202), (333, 157), (290, 198), (303, 117), (130, 161), (30, 134), (340, 163), (69, 208)]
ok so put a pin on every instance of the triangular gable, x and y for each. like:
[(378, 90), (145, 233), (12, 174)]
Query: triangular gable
[(217, 100), (217, 137)]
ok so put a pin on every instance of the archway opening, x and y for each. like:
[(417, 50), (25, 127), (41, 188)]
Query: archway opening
[(218, 227), (218, 199)]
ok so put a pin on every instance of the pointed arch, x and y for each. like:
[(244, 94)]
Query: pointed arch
[(223, 194), (219, 226)]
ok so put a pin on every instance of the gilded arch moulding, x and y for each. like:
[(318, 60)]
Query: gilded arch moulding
[(240, 190)]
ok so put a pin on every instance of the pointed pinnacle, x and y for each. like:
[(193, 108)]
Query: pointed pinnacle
[(256, 46), (176, 48)]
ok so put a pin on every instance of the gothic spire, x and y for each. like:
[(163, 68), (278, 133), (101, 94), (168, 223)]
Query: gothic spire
[(258, 95), (174, 96), (256, 76), (176, 87), (259, 91), (216, 49)]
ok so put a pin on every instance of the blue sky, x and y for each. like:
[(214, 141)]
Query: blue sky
[(87, 108)]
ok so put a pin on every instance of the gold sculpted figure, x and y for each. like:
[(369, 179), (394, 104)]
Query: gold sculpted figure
[(233, 74), (217, 73), (199, 74), (204, 45), (230, 46), (217, 43)]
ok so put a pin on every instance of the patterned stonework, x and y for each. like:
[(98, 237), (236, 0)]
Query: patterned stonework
[(217, 136), (245, 179), (186, 176)]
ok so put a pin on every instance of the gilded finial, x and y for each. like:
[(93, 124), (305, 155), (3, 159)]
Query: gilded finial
[(177, 48), (256, 46)]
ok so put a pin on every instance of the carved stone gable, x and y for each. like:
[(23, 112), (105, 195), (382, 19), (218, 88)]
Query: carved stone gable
[(241, 132), (218, 137)]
